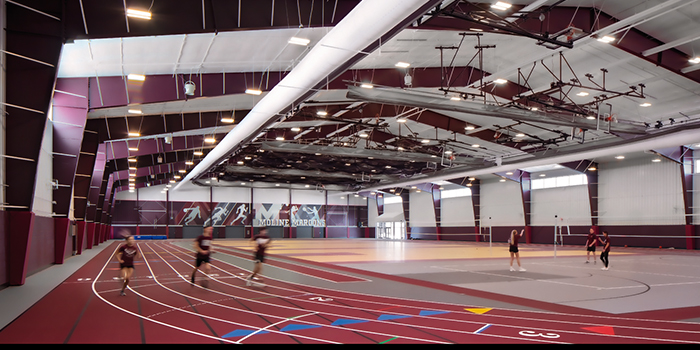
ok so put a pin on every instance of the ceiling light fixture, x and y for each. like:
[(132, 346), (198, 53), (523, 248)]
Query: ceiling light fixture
[(656, 160), (592, 168), (198, 153), (299, 41), (645, 104), (519, 135), (367, 86), (138, 14), (403, 65), (189, 162), (475, 146), (620, 157), (322, 113), (469, 127), (695, 60), (295, 129), (500, 81), (606, 39), (134, 134), (240, 162), (401, 120), (132, 160), (590, 117), (136, 77), (363, 135), (133, 149), (210, 140), (582, 93), (253, 92), (426, 141), (227, 120), (135, 111), (501, 6), (455, 98), (279, 138)]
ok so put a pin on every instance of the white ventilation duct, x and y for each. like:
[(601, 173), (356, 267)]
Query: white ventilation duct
[(363, 26)]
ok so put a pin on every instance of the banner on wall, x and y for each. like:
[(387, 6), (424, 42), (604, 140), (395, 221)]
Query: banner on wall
[(192, 214), (276, 214)]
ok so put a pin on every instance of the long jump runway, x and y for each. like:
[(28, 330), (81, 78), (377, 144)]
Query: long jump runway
[(163, 307)]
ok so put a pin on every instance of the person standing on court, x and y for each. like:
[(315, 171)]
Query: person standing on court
[(514, 253), (262, 242), (202, 245), (605, 241), (591, 242), (126, 255)]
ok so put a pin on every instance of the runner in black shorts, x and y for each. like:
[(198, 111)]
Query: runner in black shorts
[(513, 249), (125, 256), (591, 242), (202, 245), (262, 242)]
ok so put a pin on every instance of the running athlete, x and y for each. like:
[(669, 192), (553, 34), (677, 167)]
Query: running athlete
[(202, 245), (514, 253), (605, 241), (262, 242), (591, 242), (125, 255)]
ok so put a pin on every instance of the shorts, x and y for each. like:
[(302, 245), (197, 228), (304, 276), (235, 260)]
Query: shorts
[(121, 266), (591, 249), (513, 249), (259, 258), (201, 260)]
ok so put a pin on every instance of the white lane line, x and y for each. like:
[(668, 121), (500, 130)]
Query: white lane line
[(273, 325), (529, 319), (142, 317)]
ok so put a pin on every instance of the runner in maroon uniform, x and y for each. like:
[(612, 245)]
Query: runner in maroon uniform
[(125, 255), (202, 245), (262, 242), (605, 241), (513, 249), (591, 242)]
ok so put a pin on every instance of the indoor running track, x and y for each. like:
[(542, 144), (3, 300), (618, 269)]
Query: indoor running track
[(162, 306)]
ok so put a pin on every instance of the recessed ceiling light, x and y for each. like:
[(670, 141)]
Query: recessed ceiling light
[(240, 162), (520, 135), (210, 140), (135, 111), (500, 81), (401, 120), (502, 180), (620, 157), (136, 77), (253, 92), (279, 138), (500, 5), (388, 166), (543, 175), (448, 152), (656, 160), (695, 60), (455, 98), (299, 41), (133, 149), (606, 39), (198, 153), (134, 134), (363, 135), (425, 141), (534, 109), (132, 179), (475, 146), (176, 177), (182, 171), (295, 129), (247, 158), (138, 14), (472, 178), (132, 168), (189, 162), (509, 173), (307, 186), (367, 86), (322, 113), (582, 93), (645, 104), (590, 117), (469, 127), (132, 160), (476, 30), (592, 168), (402, 65), (227, 120), (132, 175), (400, 148)]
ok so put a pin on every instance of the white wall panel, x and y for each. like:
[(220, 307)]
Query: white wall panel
[(125, 196), (43, 189), (308, 197), (568, 203), (189, 192), (231, 194), (502, 201), (372, 212), (152, 193), (421, 210), (457, 211), (271, 195), (639, 192)]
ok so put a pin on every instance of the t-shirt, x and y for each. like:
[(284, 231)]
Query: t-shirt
[(606, 243), (262, 241), (128, 254), (514, 239), (591, 238), (204, 243)]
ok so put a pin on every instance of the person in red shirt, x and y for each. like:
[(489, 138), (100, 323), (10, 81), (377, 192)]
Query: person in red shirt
[(262, 242), (605, 241), (591, 242), (202, 245), (126, 255), (513, 249)]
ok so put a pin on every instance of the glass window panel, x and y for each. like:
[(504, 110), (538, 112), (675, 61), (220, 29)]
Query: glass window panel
[(550, 183)]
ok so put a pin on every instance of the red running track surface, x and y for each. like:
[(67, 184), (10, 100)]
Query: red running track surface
[(163, 307)]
